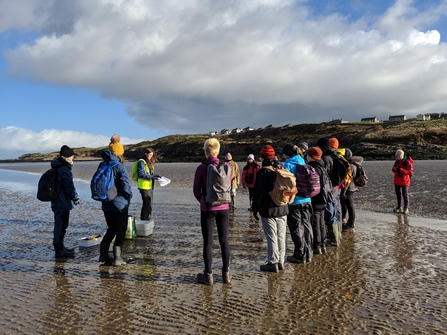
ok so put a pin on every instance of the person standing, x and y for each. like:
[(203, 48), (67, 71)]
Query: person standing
[(249, 173), (146, 182), (68, 196), (299, 219), (116, 211), (209, 215), (235, 177), (319, 201), (403, 171), (273, 217)]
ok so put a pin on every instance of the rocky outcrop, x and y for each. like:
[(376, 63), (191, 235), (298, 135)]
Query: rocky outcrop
[(373, 141)]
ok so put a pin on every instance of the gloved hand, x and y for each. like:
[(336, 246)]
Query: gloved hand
[(156, 176), (76, 201), (256, 216)]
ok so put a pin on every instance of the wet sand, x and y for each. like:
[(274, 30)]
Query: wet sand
[(387, 278)]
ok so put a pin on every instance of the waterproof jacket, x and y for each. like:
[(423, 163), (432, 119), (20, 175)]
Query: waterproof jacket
[(262, 202), (403, 171), (145, 175), (122, 183), (65, 185), (249, 169), (290, 165), (318, 201), (199, 186)]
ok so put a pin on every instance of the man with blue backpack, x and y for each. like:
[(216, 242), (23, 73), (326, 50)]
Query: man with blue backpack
[(299, 219), (115, 205)]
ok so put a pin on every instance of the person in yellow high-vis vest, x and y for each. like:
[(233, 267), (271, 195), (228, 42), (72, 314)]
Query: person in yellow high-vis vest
[(146, 182)]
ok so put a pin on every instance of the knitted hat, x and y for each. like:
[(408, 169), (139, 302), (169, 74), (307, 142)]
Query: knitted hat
[(66, 151), (304, 145), (267, 152), (116, 148), (333, 142), (251, 156), (315, 153), (228, 157)]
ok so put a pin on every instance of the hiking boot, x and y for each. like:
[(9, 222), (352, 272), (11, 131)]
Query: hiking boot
[(292, 259), (269, 267), (308, 260), (406, 211), (226, 277), (60, 251), (323, 250), (205, 278), (318, 251), (280, 266), (398, 210), (104, 254)]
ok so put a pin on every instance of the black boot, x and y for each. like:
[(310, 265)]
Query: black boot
[(117, 256), (104, 254), (60, 251), (69, 250)]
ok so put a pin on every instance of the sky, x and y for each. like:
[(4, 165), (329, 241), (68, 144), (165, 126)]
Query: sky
[(76, 72)]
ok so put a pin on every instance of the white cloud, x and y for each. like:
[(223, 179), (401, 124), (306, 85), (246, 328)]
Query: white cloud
[(15, 139), (175, 62)]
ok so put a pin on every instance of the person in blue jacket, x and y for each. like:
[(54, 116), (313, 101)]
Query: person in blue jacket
[(116, 212), (68, 196), (299, 219)]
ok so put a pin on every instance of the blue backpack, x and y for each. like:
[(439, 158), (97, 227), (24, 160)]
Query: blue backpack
[(103, 182)]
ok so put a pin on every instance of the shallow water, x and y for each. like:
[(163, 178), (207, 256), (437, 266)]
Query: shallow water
[(387, 278)]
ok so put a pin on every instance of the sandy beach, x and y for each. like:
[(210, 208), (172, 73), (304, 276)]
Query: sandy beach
[(388, 277)]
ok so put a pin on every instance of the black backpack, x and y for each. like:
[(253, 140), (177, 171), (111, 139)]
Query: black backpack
[(47, 189), (340, 169), (218, 184)]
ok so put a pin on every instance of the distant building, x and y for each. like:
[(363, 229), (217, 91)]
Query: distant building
[(422, 117), (224, 131), (433, 116), (288, 125), (249, 128), (395, 118), (212, 133), (236, 130), (270, 126), (338, 121), (369, 119)]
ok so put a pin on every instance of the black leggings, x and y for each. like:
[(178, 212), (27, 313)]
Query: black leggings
[(117, 223), (207, 219)]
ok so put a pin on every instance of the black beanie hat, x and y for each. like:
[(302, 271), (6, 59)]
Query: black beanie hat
[(66, 151)]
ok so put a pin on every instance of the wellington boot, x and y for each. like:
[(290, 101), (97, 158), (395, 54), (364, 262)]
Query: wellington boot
[(336, 233), (117, 257), (104, 256), (60, 251), (69, 250), (226, 276)]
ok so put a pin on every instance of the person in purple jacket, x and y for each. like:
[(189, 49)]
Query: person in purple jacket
[(210, 214)]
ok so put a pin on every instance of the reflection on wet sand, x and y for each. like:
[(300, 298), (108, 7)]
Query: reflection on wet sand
[(387, 278)]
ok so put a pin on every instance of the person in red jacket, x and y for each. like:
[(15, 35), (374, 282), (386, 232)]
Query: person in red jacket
[(403, 171), (249, 177)]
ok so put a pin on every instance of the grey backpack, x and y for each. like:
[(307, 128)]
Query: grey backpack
[(218, 184)]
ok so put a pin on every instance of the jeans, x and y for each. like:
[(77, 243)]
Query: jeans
[(299, 221), (146, 209), (402, 193), (207, 219), (61, 218), (275, 233), (117, 226)]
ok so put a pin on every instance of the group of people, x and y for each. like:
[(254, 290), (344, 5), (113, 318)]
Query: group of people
[(116, 211), (313, 223)]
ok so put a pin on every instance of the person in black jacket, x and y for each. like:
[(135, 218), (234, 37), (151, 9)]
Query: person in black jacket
[(68, 196), (320, 201), (273, 217)]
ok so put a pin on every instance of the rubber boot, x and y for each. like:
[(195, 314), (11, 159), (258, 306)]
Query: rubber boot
[(117, 256), (104, 254), (336, 234), (69, 250), (60, 251)]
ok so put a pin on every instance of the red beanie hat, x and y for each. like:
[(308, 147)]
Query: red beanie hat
[(333, 143), (315, 153), (267, 152)]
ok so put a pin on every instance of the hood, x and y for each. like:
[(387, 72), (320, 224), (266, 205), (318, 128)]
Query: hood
[(411, 160), (356, 159), (297, 159), (107, 156), (60, 161)]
